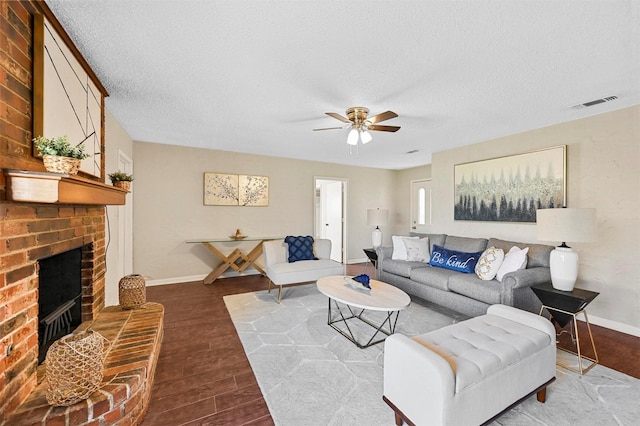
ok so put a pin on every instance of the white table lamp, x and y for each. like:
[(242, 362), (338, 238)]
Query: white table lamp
[(575, 225), (377, 217)]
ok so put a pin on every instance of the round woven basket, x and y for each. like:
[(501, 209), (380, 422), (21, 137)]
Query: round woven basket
[(58, 164), (74, 367), (123, 184), (132, 291)]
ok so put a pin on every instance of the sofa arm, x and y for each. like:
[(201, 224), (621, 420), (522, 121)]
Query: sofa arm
[(416, 380), (384, 253), (527, 277), (523, 317)]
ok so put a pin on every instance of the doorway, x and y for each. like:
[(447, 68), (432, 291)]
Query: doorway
[(330, 214), (420, 205)]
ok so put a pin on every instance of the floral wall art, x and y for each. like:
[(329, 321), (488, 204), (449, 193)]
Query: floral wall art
[(223, 189), (510, 189)]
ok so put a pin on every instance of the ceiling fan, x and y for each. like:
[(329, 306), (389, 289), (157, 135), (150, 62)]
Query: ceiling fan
[(360, 125)]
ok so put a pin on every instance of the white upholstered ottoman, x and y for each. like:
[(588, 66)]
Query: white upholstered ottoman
[(470, 372)]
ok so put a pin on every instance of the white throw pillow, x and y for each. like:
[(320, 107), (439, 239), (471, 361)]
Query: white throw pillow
[(514, 260), (489, 263), (417, 250), (399, 249)]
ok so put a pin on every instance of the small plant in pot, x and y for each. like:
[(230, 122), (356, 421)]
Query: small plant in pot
[(121, 180), (58, 155)]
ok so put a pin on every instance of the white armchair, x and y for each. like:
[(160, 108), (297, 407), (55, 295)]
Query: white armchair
[(281, 273)]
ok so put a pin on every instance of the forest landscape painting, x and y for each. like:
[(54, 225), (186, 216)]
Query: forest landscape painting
[(512, 188)]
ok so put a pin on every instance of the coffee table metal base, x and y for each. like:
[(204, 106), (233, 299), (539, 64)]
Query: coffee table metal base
[(390, 320)]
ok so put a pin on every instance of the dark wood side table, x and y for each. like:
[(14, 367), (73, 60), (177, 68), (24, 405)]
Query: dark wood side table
[(372, 255), (564, 307)]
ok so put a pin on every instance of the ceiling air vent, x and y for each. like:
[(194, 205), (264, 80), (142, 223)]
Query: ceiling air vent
[(413, 151), (595, 102)]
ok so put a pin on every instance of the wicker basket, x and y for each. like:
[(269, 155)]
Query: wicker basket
[(132, 291), (123, 184), (58, 164), (74, 367)]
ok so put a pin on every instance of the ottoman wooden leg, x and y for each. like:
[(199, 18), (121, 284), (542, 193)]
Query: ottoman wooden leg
[(542, 395)]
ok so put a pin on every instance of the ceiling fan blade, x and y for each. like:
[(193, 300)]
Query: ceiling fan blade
[(387, 115), (330, 128), (338, 117), (384, 128)]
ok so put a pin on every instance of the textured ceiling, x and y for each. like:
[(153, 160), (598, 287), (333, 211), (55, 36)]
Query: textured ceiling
[(257, 76)]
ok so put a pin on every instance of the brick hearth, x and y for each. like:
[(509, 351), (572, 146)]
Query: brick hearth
[(135, 337)]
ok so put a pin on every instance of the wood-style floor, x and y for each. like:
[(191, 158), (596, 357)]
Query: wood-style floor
[(203, 376)]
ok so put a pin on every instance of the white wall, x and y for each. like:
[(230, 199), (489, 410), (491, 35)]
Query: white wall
[(169, 206), (603, 171), (116, 138)]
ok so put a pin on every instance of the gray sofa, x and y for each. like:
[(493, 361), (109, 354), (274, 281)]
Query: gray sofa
[(462, 292)]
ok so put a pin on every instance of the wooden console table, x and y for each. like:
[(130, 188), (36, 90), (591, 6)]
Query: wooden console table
[(237, 259)]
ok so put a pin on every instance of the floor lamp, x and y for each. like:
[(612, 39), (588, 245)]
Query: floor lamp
[(575, 225), (377, 217)]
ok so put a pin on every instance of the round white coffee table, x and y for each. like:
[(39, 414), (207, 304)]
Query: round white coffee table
[(382, 297)]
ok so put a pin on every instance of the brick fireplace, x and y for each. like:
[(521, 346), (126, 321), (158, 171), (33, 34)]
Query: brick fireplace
[(33, 231), (29, 233)]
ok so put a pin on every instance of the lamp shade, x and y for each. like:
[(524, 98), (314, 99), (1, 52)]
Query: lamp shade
[(574, 225), (352, 138), (377, 217)]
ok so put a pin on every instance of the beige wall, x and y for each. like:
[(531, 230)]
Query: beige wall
[(401, 220), (169, 205), (603, 171), (116, 139)]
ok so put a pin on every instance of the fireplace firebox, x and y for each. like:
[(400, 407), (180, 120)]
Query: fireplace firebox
[(60, 297)]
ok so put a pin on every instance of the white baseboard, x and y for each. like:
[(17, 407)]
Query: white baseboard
[(191, 278), (352, 261), (614, 325)]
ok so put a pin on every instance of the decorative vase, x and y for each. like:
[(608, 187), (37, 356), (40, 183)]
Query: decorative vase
[(59, 164), (123, 184), (74, 367), (132, 292)]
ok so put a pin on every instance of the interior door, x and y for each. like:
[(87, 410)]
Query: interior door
[(329, 221), (421, 205)]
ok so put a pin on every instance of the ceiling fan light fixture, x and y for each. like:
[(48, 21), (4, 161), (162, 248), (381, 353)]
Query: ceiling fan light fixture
[(365, 136), (352, 139)]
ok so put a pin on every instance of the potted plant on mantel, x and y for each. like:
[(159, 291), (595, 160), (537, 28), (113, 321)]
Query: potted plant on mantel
[(59, 156), (121, 180)]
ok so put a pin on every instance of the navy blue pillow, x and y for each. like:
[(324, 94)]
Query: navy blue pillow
[(455, 260), (300, 248)]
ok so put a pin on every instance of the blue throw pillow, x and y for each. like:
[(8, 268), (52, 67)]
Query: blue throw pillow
[(455, 260), (300, 248)]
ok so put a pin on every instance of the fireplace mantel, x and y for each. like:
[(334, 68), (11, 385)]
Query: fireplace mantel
[(56, 188)]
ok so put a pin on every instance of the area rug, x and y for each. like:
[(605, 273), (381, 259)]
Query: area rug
[(311, 375)]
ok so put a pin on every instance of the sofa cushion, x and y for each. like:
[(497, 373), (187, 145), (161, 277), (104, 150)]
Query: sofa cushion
[(480, 347), (489, 263), (417, 250), (469, 245), (471, 286), (399, 249), (433, 277), (452, 259), (514, 260), (401, 267), (438, 239), (303, 271), (300, 248), (538, 254)]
